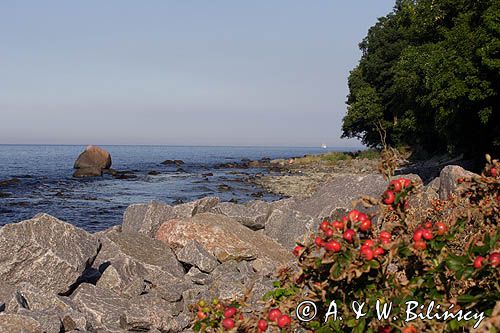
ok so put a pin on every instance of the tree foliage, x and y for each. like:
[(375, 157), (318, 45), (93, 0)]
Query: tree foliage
[(429, 74)]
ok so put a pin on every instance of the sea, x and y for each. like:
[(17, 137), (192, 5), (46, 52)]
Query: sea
[(43, 182)]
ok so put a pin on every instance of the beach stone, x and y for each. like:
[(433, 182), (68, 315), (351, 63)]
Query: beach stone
[(132, 264), (339, 194), (434, 184), (17, 323), (224, 237), (195, 207), (198, 277), (448, 179), (146, 312), (101, 307), (252, 215), (46, 252), (289, 227), (146, 218), (93, 157), (48, 320), (194, 254)]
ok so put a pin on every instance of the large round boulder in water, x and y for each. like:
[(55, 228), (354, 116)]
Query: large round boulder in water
[(92, 161)]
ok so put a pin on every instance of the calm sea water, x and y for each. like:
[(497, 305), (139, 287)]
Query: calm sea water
[(46, 183)]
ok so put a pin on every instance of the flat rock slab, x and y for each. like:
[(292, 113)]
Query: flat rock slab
[(16, 323), (131, 263), (146, 218), (46, 252), (224, 237), (289, 227), (252, 215), (339, 194)]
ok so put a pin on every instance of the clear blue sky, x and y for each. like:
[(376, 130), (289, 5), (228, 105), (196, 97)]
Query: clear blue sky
[(179, 72)]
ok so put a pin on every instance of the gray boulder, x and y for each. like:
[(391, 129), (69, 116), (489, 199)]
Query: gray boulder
[(448, 179), (194, 254), (132, 264), (289, 227), (146, 218), (101, 307), (252, 215), (339, 194), (190, 209), (46, 252), (17, 323)]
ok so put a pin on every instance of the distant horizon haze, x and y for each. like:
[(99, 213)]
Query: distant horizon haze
[(179, 73)]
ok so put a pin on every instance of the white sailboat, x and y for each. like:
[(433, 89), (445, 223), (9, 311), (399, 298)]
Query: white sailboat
[(323, 145)]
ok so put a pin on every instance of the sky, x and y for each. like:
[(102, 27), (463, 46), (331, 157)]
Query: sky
[(185, 72)]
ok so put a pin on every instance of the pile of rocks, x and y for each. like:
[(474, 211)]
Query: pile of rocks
[(143, 275)]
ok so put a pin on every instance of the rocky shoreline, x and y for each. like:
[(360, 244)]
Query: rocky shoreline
[(144, 274)]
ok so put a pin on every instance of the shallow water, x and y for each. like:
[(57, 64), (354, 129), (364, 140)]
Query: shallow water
[(46, 182)]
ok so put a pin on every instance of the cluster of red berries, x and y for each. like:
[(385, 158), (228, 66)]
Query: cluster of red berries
[(230, 316), (493, 259), (396, 186), (426, 232), (332, 234), (230, 313), (274, 315)]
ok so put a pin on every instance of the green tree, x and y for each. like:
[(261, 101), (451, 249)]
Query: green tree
[(429, 73)]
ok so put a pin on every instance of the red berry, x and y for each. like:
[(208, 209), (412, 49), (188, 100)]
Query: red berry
[(262, 325), (396, 185), (284, 320), (365, 225), (349, 234), (417, 235), (409, 329), (362, 217), (385, 235), (338, 225), (228, 323), (493, 171), (427, 234), (378, 252), (441, 228), (384, 329), (333, 246), (274, 314), (367, 253), (494, 259), (329, 232), (478, 262), (319, 241), (406, 182), (419, 245), (369, 243), (388, 197), (229, 312), (428, 225), (353, 215), (296, 250), (324, 225), (201, 315)]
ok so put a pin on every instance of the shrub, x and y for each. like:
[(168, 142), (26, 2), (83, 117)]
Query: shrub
[(449, 254)]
